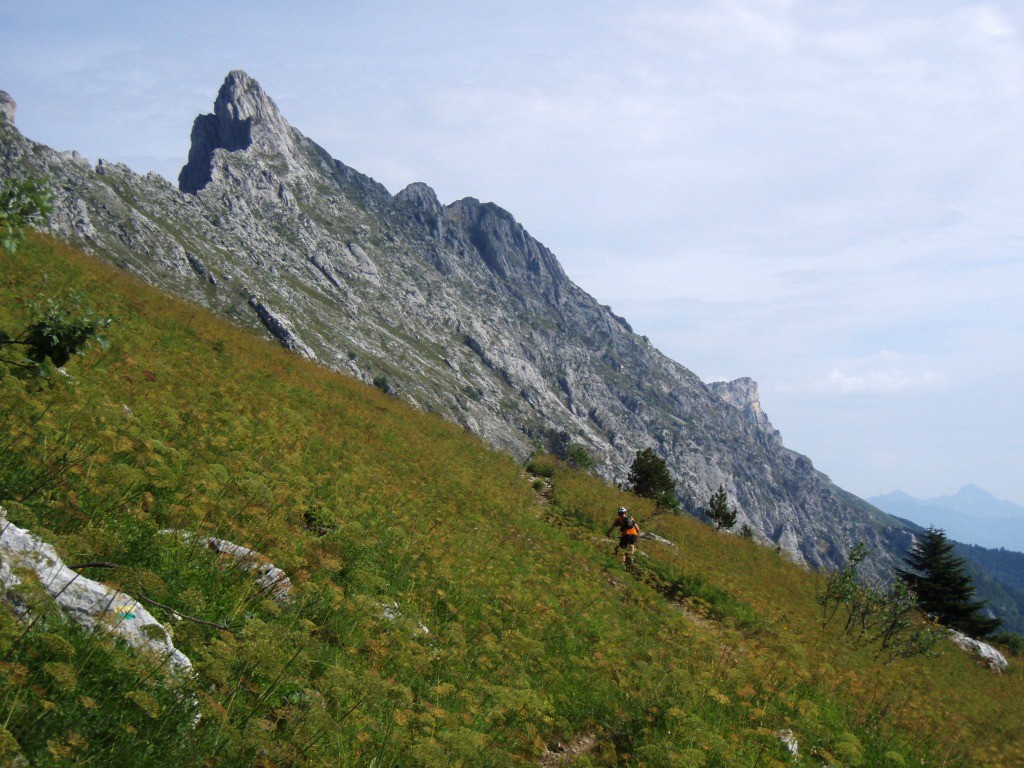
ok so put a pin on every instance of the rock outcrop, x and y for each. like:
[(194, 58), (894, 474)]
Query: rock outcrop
[(458, 306), (7, 108), (985, 654), (742, 395), (89, 603), (270, 580)]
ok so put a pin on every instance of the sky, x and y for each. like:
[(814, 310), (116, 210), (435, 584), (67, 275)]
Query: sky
[(827, 197)]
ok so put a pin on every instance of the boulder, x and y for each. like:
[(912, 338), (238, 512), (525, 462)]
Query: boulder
[(269, 578), (984, 653), (89, 603)]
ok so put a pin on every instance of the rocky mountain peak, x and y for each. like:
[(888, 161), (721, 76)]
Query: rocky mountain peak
[(505, 246), (7, 107), (742, 394), (420, 196), (241, 99), (463, 310), (243, 115)]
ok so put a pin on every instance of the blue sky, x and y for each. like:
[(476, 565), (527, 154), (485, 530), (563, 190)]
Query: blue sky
[(826, 197)]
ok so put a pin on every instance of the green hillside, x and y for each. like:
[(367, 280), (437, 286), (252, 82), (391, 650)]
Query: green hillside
[(448, 608)]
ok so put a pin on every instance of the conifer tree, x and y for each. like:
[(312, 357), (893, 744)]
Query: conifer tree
[(943, 587), (649, 477), (719, 511)]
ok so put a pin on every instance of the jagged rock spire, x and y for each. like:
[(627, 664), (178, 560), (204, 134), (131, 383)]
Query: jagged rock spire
[(242, 114)]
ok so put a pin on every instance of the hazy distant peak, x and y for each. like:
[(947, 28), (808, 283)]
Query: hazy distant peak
[(972, 492), (978, 502), (896, 496)]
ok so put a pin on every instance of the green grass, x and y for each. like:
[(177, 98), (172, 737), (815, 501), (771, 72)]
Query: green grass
[(536, 634)]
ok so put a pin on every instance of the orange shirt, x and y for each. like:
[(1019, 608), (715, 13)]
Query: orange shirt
[(623, 523)]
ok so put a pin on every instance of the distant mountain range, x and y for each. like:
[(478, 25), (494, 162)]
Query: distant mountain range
[(987, 532), (971, 515)]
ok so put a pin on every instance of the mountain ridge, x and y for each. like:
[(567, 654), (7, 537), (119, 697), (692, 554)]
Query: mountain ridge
[(456, 307)]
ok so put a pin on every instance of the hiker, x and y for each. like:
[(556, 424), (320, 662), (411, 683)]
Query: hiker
[(630, 532)]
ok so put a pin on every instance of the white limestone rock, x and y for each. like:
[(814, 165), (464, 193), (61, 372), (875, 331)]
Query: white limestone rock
[(789, 741), (984, 653), (269, 578), (7, 107), (89, 603), (647, 536), (389, 610)]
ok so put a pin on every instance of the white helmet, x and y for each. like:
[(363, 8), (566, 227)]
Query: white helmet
[(622, 510)]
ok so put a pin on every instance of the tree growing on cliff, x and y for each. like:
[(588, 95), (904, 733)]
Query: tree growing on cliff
[(943, 588), (721, 514)]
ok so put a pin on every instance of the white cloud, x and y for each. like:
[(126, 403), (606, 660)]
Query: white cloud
[(884, 373), (737, 25)]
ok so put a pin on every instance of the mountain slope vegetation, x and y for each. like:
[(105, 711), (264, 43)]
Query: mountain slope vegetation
[(456, 308), (447, 609)]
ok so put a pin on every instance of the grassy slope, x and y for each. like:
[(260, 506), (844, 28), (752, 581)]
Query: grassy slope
[(535, 632)]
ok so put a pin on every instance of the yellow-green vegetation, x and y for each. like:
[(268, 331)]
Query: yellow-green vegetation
[(389, 521)]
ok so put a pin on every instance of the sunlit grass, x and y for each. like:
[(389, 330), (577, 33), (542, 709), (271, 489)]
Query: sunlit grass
[(510, 623)]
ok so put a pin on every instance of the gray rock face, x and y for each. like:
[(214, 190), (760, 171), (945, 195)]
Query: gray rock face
[(278, 326), (240, 105), (463, 311), (742, 395), (7, 108)]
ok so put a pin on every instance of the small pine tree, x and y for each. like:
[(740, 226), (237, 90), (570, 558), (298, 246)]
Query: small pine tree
[(943, 587), (649, 476), (721, 514)]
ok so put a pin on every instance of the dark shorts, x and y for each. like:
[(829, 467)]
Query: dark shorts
[(627, 539)]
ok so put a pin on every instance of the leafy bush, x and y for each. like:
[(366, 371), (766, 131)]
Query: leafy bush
[(22, 204), (886, 616), (56, 331), (1012, 642), (542, 465)]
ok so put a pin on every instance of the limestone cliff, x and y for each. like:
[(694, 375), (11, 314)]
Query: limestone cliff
[(462, 310)]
